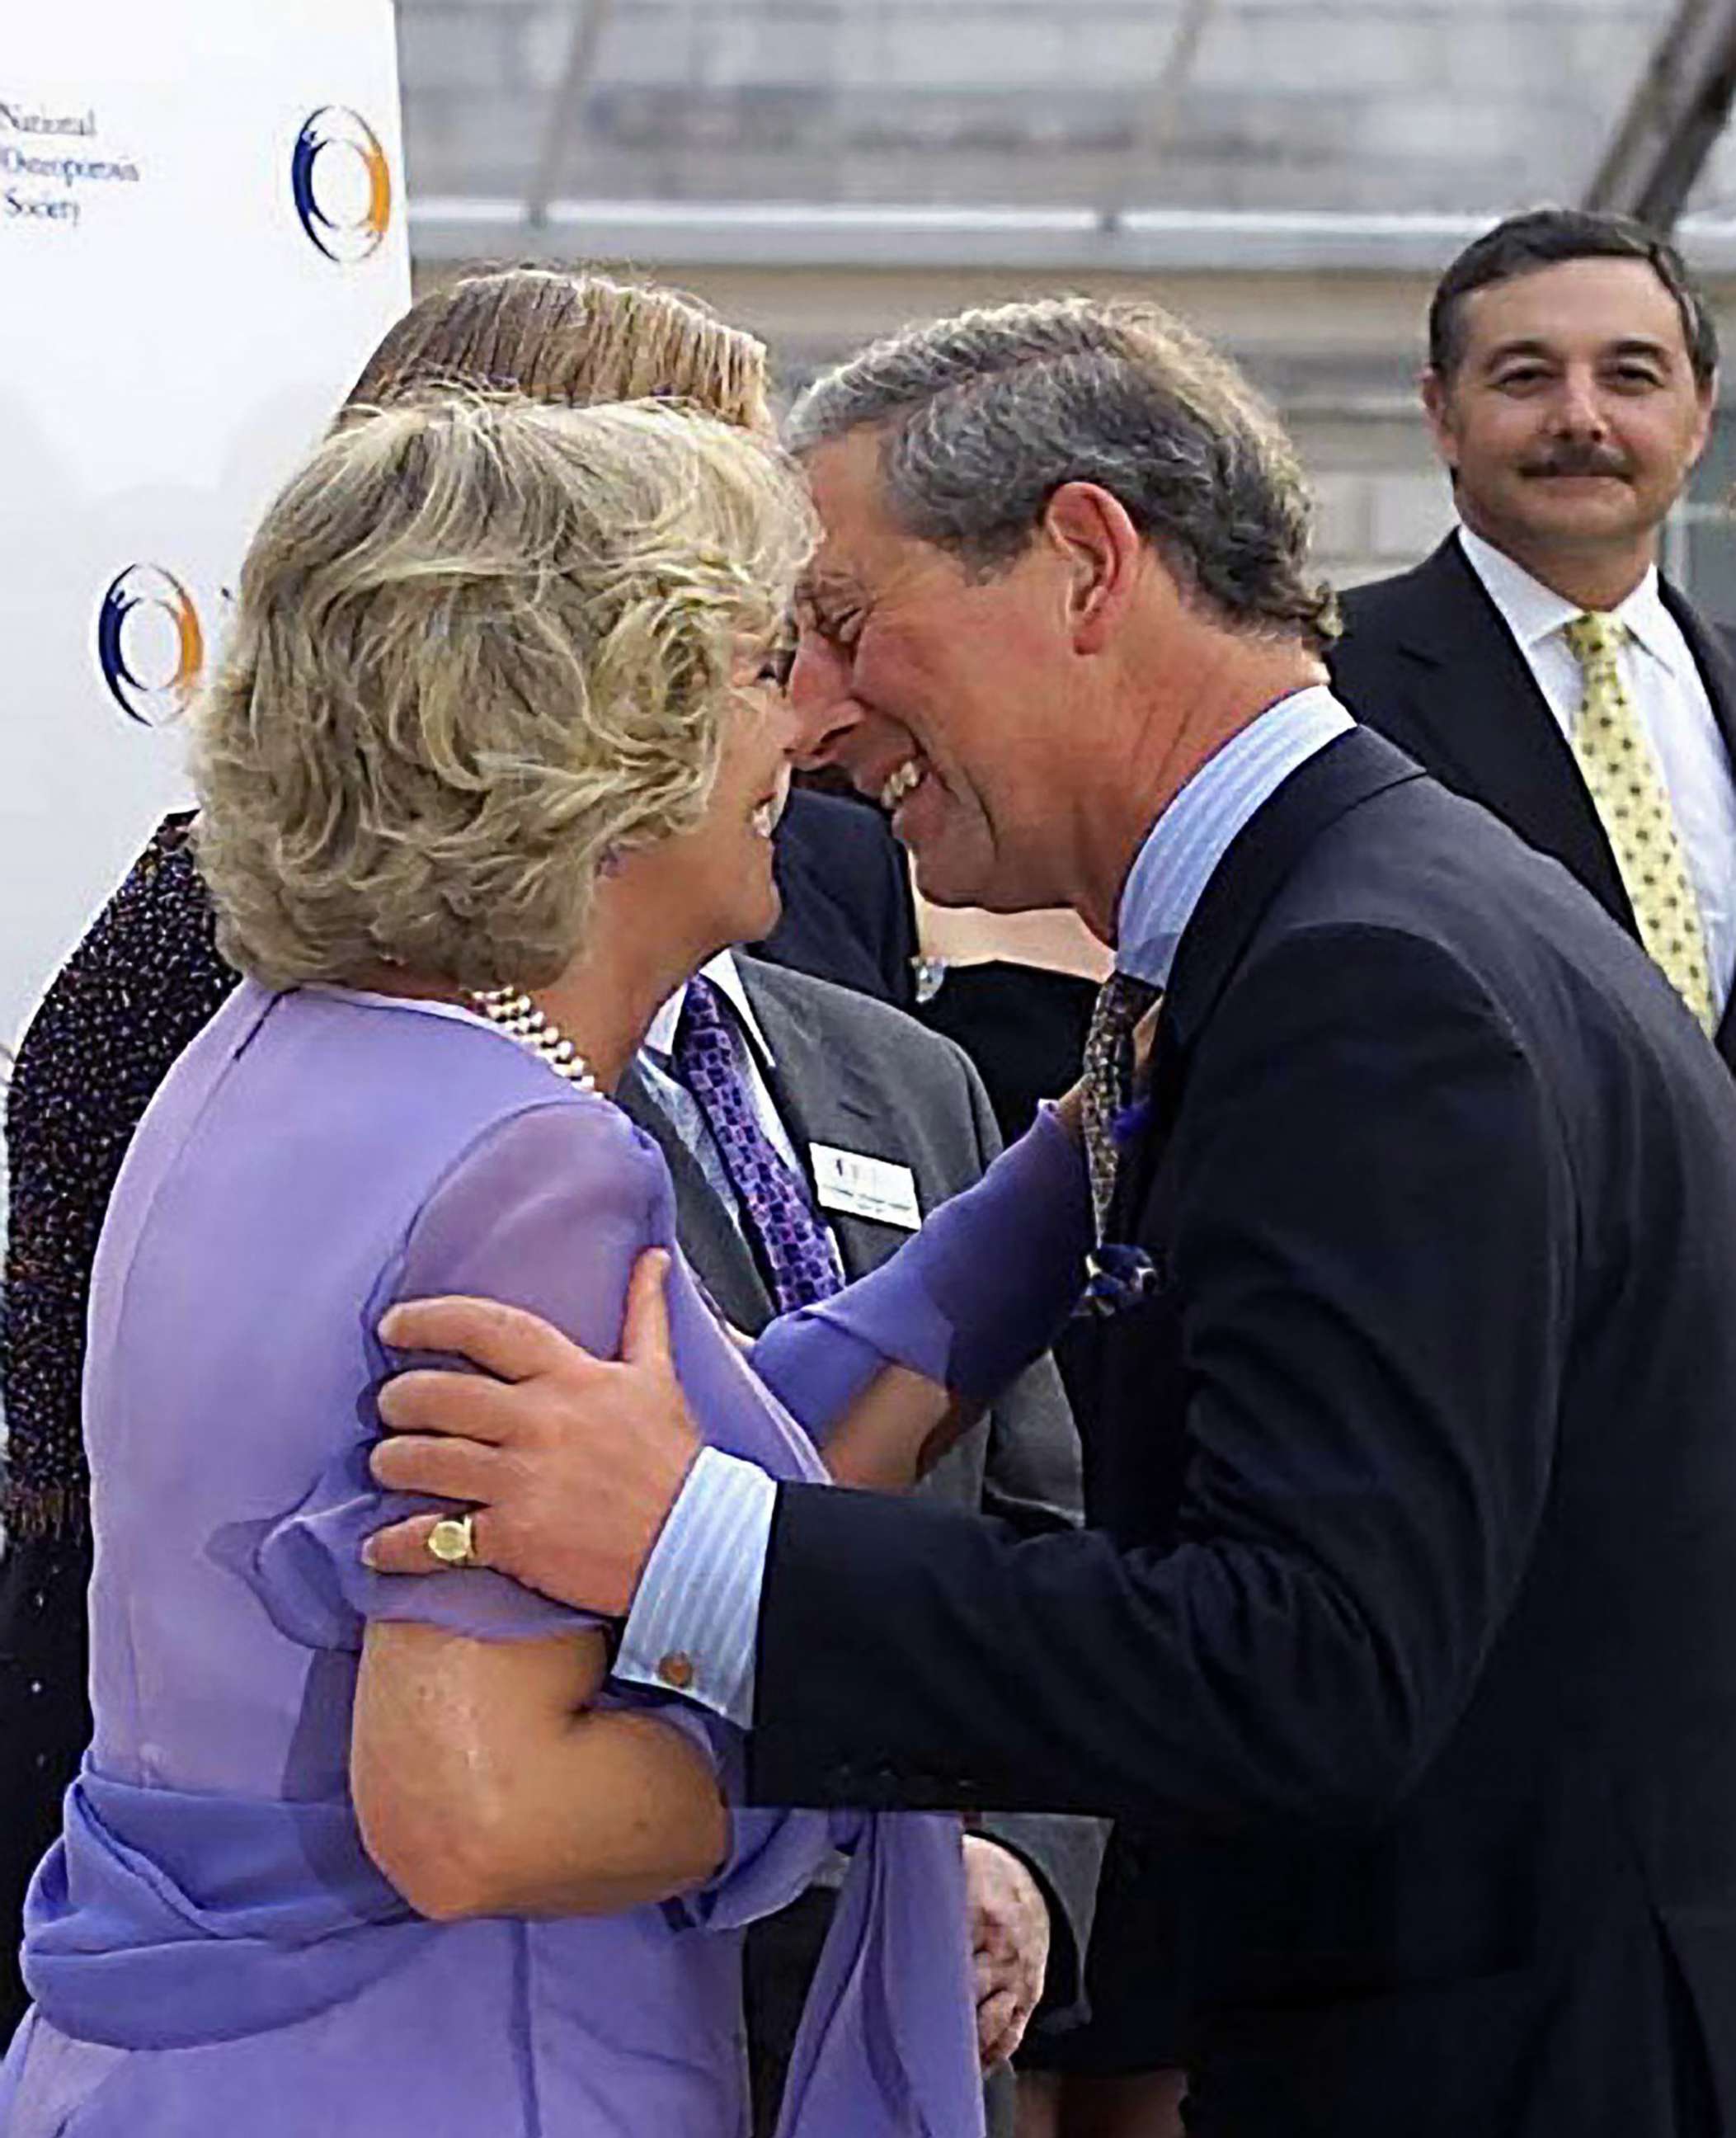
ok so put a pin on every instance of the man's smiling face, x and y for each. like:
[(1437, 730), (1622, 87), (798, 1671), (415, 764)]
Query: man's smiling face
[(939, 692), (1572, 417)]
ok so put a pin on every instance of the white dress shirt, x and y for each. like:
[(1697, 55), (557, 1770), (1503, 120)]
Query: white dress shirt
[(1670, 698)]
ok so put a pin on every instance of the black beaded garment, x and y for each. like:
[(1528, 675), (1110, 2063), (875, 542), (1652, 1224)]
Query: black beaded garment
[(137, 989), (145, 981)]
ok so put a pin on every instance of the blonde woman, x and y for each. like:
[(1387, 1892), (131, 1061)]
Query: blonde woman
[(147, 978), (349, 1850)]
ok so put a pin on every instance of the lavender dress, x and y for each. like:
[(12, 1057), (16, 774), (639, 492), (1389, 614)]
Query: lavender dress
[(210, 1949)]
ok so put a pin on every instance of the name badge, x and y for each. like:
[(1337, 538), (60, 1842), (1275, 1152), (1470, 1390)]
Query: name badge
[(857, 1186)]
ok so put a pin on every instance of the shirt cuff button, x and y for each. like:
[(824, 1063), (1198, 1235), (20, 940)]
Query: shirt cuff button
[(676, 1670)]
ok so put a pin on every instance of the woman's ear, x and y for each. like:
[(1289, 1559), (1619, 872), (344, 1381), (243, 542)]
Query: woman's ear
[(1089, 526)]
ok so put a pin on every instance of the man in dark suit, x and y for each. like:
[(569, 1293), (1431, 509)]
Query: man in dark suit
[(1573, 371), (823, 1067), (1405, 1640), (848, 914)]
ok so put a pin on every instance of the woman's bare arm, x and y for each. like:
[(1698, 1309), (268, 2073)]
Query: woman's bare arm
[(483, 1785), (899, 1425)]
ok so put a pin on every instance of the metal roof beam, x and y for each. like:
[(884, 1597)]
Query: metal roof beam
[(1155, 121), (590, 19), (669, 235), (1679, 108)]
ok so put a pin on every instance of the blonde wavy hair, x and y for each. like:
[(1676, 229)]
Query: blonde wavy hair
[(571, 338), (479, 645)]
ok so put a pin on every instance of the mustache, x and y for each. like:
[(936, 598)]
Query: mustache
[(1571, 459)]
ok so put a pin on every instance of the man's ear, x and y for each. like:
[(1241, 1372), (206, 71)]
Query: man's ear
[(1707, 397), (1437, 405), (1090, 528)]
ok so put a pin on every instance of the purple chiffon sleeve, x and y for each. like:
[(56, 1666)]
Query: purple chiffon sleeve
[(549, 1210), (969, 1302)]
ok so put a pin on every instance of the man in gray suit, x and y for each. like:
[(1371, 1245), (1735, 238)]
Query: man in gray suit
[(755, 1071)]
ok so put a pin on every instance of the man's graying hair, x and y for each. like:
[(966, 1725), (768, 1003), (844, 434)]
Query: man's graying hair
[(986, 415)]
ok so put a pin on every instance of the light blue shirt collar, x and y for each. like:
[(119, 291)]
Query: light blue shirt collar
[(1183, 848)]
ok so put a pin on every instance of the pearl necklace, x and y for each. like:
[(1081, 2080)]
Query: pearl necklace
[(519, 1017)]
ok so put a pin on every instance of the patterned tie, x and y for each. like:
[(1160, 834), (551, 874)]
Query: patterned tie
[(1122, 1001), (794, 1253), (1628, 790)]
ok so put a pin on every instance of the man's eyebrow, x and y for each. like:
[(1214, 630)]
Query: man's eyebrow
[(1521, 345), (1535, 345), (1640, 345)]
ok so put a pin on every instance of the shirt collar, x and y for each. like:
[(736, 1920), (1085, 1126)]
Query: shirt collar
[(725, 976), (1183, 848), (1534, 612)]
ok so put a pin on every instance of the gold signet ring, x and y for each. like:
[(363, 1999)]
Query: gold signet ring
[(452, 1540)]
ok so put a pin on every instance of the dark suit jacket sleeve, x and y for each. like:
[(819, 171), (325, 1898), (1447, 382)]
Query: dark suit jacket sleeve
[(1370, 1249), (1030, 1477)]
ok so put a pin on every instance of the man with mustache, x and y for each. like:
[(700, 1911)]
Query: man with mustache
[(1537, 661)]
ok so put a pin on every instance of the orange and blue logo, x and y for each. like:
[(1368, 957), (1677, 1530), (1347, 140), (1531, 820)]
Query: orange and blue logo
[(149, 644), (342, 183)]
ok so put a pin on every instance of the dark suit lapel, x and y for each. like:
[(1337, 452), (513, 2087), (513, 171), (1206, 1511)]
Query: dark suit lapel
[(707, 1236), (823, 1098), (1489, 730), (1262, 854)]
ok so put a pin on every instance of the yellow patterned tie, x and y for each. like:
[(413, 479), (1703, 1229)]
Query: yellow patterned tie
[(1628, 790)]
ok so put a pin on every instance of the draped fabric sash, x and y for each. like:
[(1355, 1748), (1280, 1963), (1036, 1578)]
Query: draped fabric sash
[(165, 1919), (887, 2046)]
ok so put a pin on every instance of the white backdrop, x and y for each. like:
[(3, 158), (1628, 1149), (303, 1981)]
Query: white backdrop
[(202, 236)]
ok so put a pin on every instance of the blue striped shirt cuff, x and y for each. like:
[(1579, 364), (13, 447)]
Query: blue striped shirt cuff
[(695, 1618)]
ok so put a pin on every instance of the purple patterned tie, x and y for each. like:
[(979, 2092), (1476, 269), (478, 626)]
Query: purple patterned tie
[(794, 1252)]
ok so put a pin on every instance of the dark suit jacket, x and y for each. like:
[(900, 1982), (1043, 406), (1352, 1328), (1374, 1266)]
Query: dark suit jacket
[(848, 1072), (848, 913), (1415, 1640), (1427, 659)]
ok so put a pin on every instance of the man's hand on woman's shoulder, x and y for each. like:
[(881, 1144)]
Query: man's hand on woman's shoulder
[(572, 1462)]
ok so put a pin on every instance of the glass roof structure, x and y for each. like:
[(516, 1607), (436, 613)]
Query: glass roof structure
[(1049, 129)]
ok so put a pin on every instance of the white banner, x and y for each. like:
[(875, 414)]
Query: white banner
[(202, 236)]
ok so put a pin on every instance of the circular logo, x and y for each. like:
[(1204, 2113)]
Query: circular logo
[(342, 183), (149, 645)]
